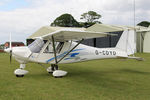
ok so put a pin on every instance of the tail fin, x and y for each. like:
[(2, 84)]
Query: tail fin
[(127, 42)]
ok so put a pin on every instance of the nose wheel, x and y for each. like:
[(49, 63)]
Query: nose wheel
[(20, 72), (19, 75)]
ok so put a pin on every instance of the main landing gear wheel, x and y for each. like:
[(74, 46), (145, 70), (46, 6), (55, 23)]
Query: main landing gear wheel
[(55, 72), (58, 76), (59, 73)]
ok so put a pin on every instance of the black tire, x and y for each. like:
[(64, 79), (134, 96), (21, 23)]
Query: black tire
[(50, 72), (58, 76), (19, 75)]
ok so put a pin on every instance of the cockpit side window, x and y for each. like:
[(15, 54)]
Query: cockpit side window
[(58, 46), (49, 48)]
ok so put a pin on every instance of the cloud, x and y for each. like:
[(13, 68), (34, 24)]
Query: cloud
[(1, 3), (22, 22)]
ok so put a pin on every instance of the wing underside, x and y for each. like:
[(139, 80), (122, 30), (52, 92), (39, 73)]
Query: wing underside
[(66, 35)]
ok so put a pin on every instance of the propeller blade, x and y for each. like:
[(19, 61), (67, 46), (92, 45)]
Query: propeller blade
[(10, 56), (10, 46)]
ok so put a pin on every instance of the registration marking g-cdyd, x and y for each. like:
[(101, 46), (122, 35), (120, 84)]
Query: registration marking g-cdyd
[(105, 52)]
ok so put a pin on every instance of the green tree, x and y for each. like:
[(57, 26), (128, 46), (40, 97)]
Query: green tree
[(90, 18), (144, 23), (65, 20)]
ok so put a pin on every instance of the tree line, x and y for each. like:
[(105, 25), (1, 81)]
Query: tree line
[(67, 20), (89, 18)]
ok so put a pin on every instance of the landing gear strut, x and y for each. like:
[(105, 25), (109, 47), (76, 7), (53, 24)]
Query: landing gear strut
[(52, 68)]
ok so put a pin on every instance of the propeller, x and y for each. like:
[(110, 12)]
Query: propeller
[(10, 56), (10, 46), (9, 50)]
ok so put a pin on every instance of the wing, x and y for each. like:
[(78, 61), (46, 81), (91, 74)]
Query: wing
[(74, 34)]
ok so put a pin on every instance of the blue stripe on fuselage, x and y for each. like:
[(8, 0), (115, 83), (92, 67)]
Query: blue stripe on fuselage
[(61, 55)]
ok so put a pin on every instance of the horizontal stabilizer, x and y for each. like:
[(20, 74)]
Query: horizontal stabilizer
[(137, 58)]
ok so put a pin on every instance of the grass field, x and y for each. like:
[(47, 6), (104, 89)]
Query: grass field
[(111, 79)]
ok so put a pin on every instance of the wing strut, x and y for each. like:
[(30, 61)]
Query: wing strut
[(70, 50), (54, 49)]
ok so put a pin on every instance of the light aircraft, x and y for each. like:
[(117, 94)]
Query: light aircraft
[(60, 47)]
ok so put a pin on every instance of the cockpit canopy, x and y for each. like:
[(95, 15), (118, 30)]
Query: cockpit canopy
[(38, 44)]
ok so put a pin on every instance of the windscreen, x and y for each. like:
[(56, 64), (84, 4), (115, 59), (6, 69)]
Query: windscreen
[(36, 46)]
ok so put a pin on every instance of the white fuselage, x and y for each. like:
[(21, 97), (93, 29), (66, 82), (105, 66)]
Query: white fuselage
[(80, 53)]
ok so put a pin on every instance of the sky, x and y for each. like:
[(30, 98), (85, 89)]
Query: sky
[(22, 18)]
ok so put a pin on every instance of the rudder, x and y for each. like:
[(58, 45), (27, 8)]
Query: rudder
[(127, 42)]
